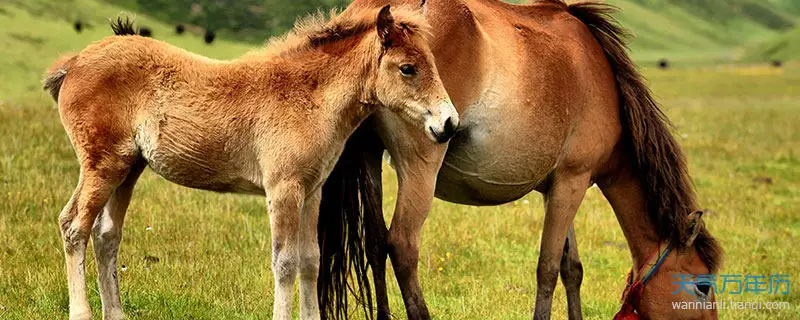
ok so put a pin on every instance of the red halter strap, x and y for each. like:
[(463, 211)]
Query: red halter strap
[(633, 289)]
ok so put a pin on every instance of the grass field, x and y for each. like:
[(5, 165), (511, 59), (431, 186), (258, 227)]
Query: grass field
[(206, 255)]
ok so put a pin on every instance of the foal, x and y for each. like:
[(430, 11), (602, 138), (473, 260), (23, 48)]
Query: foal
[(271, 123)]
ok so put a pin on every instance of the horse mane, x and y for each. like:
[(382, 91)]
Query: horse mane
[(123, 27), (657, 157), (318, 29)]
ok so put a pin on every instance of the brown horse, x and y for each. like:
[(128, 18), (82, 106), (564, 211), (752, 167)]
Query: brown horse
[(271, 123), (549, 101)]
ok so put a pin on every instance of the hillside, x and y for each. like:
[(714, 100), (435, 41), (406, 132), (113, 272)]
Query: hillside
[(36, 32), (715, 30), (680, 30), (785, 46)]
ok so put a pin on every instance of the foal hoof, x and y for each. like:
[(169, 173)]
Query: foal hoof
[(83, 315)]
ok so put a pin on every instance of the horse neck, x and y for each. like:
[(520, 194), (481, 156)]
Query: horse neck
[(627, 197), (334, 78)]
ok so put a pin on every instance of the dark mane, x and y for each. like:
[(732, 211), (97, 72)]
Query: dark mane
[(658, 159), (123, 27)]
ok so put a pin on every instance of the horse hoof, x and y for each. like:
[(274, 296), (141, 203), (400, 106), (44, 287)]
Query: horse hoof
[(82, 315)]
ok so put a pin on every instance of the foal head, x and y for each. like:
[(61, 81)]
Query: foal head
[(406, 80)]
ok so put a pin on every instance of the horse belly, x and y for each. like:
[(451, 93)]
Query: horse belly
[(180, 152), (502, 152)]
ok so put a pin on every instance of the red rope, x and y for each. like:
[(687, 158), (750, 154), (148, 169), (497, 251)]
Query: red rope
[(632, 291)]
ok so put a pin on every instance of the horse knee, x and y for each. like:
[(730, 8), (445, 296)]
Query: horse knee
[(404, 253), (74, 238), (572, 273), (546, 276), (284, 264), (71, 234), (309, 265)]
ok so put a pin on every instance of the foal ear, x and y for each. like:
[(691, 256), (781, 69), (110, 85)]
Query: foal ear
[(385, 25)]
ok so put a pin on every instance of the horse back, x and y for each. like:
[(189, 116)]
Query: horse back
[(132, 97)]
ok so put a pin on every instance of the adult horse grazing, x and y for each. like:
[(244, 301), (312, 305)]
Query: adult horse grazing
[(271, 123), (549, 101)]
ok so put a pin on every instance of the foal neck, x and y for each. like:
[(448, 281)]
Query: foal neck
[(334, 78)]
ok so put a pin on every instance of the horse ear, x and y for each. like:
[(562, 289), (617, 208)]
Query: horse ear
[(385, 25)]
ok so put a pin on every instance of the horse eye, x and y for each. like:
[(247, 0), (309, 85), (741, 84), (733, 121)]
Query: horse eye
[(702, 291), (408, 70)]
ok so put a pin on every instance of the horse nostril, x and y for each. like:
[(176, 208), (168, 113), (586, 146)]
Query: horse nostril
[(449, 127)]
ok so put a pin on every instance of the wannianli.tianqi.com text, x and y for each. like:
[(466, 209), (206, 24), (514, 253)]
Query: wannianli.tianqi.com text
[(732, 305)]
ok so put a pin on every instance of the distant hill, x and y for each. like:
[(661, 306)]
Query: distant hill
[(244, 20), (695, 31), (785, 46), (702, 30), (36, 32)]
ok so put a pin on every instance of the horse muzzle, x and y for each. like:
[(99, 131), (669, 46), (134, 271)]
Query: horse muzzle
[(443, 127)]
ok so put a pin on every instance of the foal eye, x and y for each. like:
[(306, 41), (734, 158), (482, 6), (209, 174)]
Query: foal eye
[(408, 70)]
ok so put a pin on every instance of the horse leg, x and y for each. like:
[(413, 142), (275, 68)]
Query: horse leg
[(96, 184), (416, 185), (309, 257), (562, 200), (106, 236), (572, 275), (284, 203)]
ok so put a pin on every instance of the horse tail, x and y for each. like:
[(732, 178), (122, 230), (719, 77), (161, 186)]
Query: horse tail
[(658, 159), (350, 198), (55, 74)]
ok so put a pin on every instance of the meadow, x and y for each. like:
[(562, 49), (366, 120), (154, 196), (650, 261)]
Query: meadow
[(189, 254)]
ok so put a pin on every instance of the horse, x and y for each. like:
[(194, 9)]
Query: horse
[(271, 123), (550, 102)]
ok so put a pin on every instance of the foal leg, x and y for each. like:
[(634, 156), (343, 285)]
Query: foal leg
[(106, 236), (309, 257), (284, 202), (76, 221), (561, 203), (572, 275)]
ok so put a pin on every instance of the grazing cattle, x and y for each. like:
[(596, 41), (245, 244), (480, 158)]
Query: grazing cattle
[(209, 36), (78, 26), (179, 29), (145, 32), (663, 64)]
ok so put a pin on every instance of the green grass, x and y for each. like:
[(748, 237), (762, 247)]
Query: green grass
[(738, 126)]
